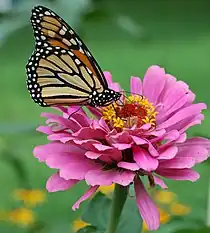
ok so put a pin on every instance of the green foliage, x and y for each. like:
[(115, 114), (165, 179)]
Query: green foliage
[(98, 211), (130, 220)]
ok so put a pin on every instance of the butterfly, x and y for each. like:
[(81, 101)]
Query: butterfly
[(61, 70)]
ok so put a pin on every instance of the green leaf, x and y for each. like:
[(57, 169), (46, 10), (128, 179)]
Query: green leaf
[(89, 229), (130, 220), (97, 211)]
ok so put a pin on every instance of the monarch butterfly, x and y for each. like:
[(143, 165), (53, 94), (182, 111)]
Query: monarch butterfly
[(61, 70)]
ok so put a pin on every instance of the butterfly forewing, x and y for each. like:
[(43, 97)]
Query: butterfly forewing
[(62, 69)]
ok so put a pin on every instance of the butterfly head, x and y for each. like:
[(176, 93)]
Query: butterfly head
[(104, 98)]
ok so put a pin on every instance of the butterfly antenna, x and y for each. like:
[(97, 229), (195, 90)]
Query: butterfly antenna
[(74, 112), (132, 93)]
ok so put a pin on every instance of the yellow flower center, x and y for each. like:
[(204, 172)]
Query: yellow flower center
[(136, 110)]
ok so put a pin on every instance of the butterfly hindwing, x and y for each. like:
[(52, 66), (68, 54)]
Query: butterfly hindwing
[(54, 75)]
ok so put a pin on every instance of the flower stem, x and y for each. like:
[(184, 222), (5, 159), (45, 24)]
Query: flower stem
[(118, 201), (208, 206)]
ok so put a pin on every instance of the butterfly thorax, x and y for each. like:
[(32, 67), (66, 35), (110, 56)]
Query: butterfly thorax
[(97, 99)]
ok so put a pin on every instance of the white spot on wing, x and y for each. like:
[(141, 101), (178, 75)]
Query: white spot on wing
[(77, 61), (47, 13), (62, 32), (64, 28), (73, 41)]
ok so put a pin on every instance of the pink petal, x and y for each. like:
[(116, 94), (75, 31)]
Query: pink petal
[(182, 115), (169, 85), (94, 111), (115, 87), (145, 126), (100, 125), (179, 174), (60, 109), (136, 85), (128, 166), (141, 141), (147, 208), (197, 153), (121, 146), (77, 168), (172, 135), (104, 177), (88, 144), (187, 123), (153, 83), (92, 155), (58, 136), (75, 109), (194, 121), (196, 141), (178, 163), (56, 183), (152, 150), (45, 129), (108, 77), (68, 123), (138, 140), (160, 182), (103, 125), (182, 138), (144, 160), (87, 195), (87, 132), (156, 133), (122, 137), (168, 153), (101, 147), (82, 119), (57, 161), (112, 156), (173, 101), (111, 84), (43, 152), (67, 139)]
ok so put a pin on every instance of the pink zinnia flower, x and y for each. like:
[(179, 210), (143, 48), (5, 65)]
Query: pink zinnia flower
[(144, 136)]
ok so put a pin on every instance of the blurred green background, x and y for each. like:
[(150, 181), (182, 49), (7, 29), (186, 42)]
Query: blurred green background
[(126, 37)]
